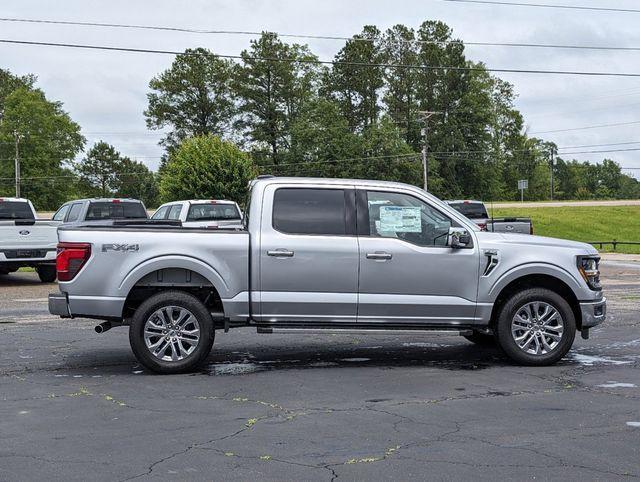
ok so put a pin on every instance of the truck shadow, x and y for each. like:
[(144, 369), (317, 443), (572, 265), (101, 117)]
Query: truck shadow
[(459, 356), (14, 280)]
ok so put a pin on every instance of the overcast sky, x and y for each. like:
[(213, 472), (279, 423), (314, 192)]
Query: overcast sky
[(105, 92)]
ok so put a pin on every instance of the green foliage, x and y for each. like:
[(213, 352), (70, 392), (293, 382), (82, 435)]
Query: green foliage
[(206, 167), (48, 141), (98, 169), (605, 223), (272, 93), (104, 172), (193, 97)]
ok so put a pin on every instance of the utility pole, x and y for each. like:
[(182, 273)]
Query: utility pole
[(425, 116), (553, 165), (17, 137)]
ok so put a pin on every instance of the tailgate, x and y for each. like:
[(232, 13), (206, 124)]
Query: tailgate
[(19, 235)]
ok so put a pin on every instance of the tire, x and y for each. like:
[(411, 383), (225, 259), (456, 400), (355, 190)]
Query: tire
[(481, 339), (183, 350), (47, 273), (519, 313)]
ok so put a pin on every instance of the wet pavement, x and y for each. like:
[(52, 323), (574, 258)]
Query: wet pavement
[(75, 405)]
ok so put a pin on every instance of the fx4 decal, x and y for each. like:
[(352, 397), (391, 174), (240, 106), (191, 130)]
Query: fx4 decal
[(122, 248)]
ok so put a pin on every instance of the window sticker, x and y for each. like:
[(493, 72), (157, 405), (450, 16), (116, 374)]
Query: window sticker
[(400, 219)]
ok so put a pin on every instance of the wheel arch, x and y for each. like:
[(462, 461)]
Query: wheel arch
[(174, 273), (537, 280)]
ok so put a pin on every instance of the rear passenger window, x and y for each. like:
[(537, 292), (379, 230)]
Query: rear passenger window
[(74, 212), (174, 212), (309, 211)]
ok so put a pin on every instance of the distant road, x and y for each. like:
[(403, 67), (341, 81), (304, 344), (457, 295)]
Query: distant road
[(558, 204)]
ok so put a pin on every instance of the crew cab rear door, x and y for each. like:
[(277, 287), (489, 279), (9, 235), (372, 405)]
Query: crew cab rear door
[(408, 274), (308, 254)]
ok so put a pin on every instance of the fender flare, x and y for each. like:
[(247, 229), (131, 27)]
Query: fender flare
[(174, 261), (527, 269)]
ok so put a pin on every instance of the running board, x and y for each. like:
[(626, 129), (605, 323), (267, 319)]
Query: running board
[(361, 331)]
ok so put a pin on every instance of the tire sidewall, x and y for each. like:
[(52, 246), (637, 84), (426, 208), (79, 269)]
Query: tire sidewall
[(47, 274), (171, 298), (508, 311)]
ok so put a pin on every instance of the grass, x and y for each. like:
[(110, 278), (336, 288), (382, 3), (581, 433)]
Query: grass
[(584, 223)]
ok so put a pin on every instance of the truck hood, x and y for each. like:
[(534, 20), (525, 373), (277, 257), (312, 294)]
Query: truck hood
[(490, 238)]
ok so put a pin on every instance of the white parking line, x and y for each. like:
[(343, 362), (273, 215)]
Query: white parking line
[(30, 300)]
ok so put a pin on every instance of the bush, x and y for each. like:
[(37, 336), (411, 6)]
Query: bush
[(206, 167)]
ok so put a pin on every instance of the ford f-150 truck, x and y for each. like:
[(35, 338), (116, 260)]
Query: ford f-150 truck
[(26, 241), (323, 255), (477, 212)]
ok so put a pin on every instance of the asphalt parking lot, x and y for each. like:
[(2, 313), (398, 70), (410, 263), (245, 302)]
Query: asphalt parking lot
[(75, 405)]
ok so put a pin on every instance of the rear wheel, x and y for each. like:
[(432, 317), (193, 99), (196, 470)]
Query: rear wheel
[(536, 327), (171, 332), (46, 273)]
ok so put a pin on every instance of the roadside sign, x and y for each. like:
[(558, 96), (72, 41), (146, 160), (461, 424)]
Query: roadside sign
[(522, 185)]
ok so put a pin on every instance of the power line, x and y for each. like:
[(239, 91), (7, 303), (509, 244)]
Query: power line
[(587, 127), (546, 5), (355, 38), (328, 62)]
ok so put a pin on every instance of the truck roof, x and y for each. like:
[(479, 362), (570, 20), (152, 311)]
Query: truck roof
[(14, 199), (463, 201), (105, 199), (329, 181)]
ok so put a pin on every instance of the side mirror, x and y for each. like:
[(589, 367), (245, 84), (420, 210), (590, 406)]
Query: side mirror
[(459, 238)]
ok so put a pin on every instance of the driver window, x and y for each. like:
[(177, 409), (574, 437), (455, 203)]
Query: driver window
[(396, 215)]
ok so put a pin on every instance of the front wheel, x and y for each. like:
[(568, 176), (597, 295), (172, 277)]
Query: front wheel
[(46, 273), (171, 332), (536, 327)]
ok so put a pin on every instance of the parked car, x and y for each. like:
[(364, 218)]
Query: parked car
[(477, 212), (26, 241), (201, 213), (327, 256), (100, 209)]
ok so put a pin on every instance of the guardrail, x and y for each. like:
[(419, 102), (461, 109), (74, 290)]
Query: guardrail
[(615, 243)]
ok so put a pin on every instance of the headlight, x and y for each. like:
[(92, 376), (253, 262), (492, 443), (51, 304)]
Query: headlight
[(588, 267)]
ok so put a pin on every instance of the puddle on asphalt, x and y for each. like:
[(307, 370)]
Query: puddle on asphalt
[(617, 385), (591, 360), (248, 366)]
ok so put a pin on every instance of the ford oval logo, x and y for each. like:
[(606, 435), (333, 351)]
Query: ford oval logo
[(25, 232)]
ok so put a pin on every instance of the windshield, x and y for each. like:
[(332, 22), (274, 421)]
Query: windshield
[(115, 210), (15, 210), (471, 210), (213, 212)]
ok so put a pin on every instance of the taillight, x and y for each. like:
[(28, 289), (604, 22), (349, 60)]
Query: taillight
[(71, 258), (531, 228)]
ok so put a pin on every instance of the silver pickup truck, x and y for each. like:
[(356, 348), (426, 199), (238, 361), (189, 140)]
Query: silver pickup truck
[(324, 255), (477, 212)]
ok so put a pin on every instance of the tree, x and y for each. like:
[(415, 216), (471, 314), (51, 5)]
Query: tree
[(98, 169), (135, 180), (193, 97), (205, 167), (356, 78), (48, 141), (273, 84)]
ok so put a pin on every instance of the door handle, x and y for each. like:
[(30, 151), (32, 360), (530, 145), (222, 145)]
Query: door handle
[(379, 255), (280, 253)]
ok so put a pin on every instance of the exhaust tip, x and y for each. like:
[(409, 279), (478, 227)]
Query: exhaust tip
[(102, 327)]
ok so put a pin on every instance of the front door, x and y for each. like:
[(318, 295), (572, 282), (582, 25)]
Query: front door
[(308, 255), (408, 274)]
